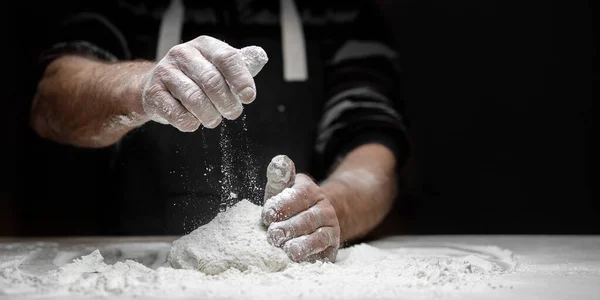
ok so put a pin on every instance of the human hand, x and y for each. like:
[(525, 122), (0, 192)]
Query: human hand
[(299, 216), (200, 82)]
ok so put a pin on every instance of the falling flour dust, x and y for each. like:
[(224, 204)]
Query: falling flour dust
[(236, 262)]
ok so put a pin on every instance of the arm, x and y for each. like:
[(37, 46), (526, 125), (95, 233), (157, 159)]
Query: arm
[(362, 189), (361, 138), (360, 146), (89, 103), (310, 221)]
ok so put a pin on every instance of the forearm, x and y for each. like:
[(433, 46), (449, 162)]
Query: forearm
[(362, 189), (88, 103)]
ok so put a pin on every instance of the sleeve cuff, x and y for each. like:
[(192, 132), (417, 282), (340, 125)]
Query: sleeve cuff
[(394, 140), (81, 48)]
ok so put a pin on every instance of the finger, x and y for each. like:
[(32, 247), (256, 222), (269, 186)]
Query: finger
[(304, 223), (281, 173), (328, 254), (160, 106), (230, 63), (193, 99), (191, 62), (300, 248), (255, 59), (290, 202)]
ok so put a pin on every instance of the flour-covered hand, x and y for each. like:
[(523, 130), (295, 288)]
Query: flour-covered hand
[(200, 82), (302, 221)]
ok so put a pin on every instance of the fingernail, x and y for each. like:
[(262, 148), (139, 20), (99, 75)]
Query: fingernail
[(277, 237), (269, 216), (294, 251), (247, 95)]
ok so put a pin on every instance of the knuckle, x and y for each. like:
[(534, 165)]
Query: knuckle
[(178, 51), (324, 236), (309, 192), (151, 90), (302, 189), (212, 81), (162, 71), (227, 57), (300, 195), (302, 176), (311, 217), (192, 94), (203, 39)]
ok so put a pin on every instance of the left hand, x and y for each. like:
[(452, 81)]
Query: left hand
[(300, 218)]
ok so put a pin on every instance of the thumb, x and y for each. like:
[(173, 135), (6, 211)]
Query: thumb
[(255, 58), (281, 174)]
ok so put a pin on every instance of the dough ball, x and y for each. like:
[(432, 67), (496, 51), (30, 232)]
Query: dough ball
[(235, 239)]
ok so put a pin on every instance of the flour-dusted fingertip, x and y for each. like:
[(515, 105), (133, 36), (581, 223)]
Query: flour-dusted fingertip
[(294, 251), (247, 95), (276, 237), (254, 58), (234, 112), (268, 216), (213, 123)]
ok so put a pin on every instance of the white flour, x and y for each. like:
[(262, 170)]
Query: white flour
[(281, 174), (254, 58), (233, 239), (236, 240)]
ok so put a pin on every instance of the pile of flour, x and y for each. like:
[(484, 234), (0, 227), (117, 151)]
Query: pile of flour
[(245, 266), (235, 239)]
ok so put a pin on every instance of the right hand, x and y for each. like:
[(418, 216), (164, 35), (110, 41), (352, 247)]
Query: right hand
[(200, 82)]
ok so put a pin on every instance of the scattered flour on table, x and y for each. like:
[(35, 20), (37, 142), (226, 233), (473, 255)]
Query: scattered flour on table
[(235, 239), (233, 247)]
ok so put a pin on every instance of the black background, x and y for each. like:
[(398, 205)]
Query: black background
[(498, 94)]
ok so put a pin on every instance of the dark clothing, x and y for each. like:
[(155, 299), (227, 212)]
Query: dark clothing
[(499, 102), (169, 182)]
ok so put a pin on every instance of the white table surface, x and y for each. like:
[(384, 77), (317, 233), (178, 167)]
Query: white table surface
[(549, 267)]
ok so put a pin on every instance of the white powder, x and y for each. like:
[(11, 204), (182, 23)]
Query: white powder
[(254, 58), (235, 239), (281, 174), (361, 272), (276, 203)]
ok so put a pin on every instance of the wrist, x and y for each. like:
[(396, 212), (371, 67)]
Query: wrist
[(133, 82), (336, 192)]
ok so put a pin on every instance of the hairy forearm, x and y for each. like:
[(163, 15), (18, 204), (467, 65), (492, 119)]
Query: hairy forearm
[(87, 103), (362, 189)]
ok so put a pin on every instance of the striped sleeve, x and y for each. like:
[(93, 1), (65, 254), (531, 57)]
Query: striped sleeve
[(363, 100)]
